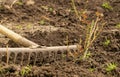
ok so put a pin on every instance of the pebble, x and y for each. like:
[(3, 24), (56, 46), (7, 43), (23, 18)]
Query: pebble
[(100, 9)]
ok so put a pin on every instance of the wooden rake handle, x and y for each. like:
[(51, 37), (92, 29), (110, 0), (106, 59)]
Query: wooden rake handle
[(16, 37)]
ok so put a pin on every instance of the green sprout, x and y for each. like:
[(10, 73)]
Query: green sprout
[(91, 69), (107, 42), (19, 3), (29, 26), (111, 67), (19, 27), (1, 7), (118, 25), (1, 69), (25, 70), (50, 9), (64, 55), (88, 55), (42, 22), (106, 5)]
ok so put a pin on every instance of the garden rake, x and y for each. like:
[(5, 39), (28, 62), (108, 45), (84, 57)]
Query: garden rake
[(32, 53)]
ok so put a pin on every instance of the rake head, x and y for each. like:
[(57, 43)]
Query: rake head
[(37, 56)]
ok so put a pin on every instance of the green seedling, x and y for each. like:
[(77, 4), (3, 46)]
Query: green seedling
[(1, 7), (107, 42), (19, 3), (25, 70), (50, 9), (91, 69), (29, 26), (106, 5), (64, 55), (111, 67), (19, 27), (88, 55), (118, 25), (42, 22), (1, 69)]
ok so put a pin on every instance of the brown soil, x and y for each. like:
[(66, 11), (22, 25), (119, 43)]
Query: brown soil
[(49, 23)]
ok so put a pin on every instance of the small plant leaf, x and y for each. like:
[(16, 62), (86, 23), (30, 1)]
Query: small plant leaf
[(111, 66), (106, 5), (107, 42), (42, 22), (118, 25)]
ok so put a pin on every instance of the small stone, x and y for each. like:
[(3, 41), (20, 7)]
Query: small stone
[(100, 9), (30, 2), (47, 64), (75, 76)]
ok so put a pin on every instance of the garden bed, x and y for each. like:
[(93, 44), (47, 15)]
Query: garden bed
[(52, 23)]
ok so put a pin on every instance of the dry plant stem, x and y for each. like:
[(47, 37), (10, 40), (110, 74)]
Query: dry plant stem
[(13, 3), (67, 42), (75, 9), (92, 33), (16, 37)]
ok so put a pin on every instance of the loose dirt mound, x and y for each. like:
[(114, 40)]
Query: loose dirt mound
[(50, 22)]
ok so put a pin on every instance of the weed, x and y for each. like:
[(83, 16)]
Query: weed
[(92, 32), (25, 70), (111, 67), (107, 42), (106, 5)]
